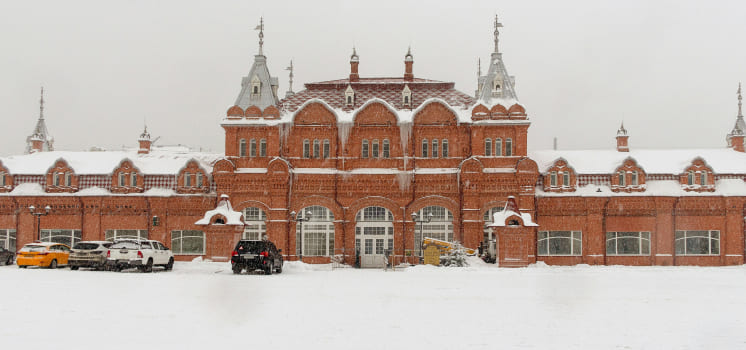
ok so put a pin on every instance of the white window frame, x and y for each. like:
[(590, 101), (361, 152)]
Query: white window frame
[(498, 147), (575, 238), (263, 148), (444, 145), (553, 179), (306, 148), (325, 153), (49, 235), (374, 149), (252, 148), (242, 148), (113, 234), (712, 236), (133, 179), (321, 224), (364, 149), (434, 149), (440, 226), (565, 179), (508, 147), (256, 223), (386, 152), (488, 147), (179, 235), (316, 149), (9, 239), (122, 176), (643, 241)]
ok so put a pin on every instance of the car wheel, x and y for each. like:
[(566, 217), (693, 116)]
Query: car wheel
[(170, 264), (74, 267), (149, 266), (53, 264), (279, 268), (270, 269), (21, 266), (236, 269), (10, 260)]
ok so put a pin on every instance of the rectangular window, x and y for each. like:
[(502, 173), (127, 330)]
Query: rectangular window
[(565, 178), (121, 179), (326, 149), (68, 237), (375, 148), (68, 179), (508, 147), (703, 179), (242, 148), (553, 179), (435, 148), (365, 149), (111, 235), (8, 239), (622, 178), (2, 179), (306, 149), (199, 179), (635, 181), (263, 148), (627, 243), (368, 246), (56, 179), (316, 149), (488, 147), (188, 242), (133, 180), (386, 151), (424, 148), (697, 242), (252, 148), (559, 243), (444, 154), (187, 180), (690, 178)]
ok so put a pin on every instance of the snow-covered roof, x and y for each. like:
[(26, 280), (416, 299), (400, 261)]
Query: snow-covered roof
[(158, 162), (36, 189), (499, 219), (658, 161), (659, 188), (224, 209)]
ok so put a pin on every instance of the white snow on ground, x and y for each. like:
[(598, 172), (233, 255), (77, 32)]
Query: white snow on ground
[(202, 305)]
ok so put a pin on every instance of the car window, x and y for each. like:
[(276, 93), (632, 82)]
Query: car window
[(163, 247), (146, 245), (124, 245), (86, 246), (254, 247), (33, 248), (107, 245)]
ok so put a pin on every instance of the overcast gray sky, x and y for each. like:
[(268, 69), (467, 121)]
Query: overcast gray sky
[(669, 69)]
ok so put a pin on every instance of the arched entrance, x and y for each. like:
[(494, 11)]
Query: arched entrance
[(440, 226), (256, 225), (374, 234), (318, 232), (489, 240)]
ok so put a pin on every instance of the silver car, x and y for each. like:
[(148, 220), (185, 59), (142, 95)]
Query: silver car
[(89, 254)]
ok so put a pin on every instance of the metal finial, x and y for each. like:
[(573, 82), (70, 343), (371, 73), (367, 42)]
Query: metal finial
[(497, 32), (479, 67), (739, 100), (260, 28), (622, 130), (41, 104), (290, 68)]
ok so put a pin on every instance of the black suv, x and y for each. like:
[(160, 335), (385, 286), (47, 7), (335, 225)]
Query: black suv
[(256, 255)]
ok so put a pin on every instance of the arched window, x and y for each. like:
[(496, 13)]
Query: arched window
[(316, 149), (263, 148), (375, 148), (622, 179), (703, 178), (256, 226), (3, 181), (365, 149), (690, 178), (199, 180), (306, 149), (187, 180), (133, 179), (435, 148), (424, 148), (57, 179), (374, 233), (318, 232), (242, 148), (553, 179), (566, 178), (121, 179), (326, 149), (349, 100), (444, 154), (488, 147), (252, 148), (386, 151), (440, 226), (499, 147), (634, 181), (508, 147)]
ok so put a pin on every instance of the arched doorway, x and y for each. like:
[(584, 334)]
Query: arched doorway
[(489, 239), (318, 232), (440, 226), (374, 234)]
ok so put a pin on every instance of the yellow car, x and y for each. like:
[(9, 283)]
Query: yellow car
[(44, 254)]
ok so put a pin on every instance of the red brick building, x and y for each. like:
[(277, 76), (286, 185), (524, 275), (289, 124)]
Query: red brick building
[(347, 169)]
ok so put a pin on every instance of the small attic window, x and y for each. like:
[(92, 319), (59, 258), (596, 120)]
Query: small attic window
[(349, 96), (256, 86), (497, 86), (406, 96)]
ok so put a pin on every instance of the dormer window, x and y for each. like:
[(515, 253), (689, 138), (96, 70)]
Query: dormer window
[(121, 180), (256, 87), (133, 179), (622, 179), (560, 177), (193, 179), (61, 178), (698, 177), (406, 96), (629, 177), (553, 179), (565, 179), (3, 182), (497, 86), (349, 96)]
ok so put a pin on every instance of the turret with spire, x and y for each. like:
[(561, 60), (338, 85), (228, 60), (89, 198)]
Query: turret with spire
[(622, 139), (290, 85), (40, 140), (144, 142), (496, 84), (259, 88), (735, 138), (354, 62), (408, 61)]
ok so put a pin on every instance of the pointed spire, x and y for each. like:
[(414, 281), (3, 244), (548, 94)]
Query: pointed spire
[(740, 114), (622, 131), (41, 103), (497, 33), (479, 67), (145, 134), (408, 57), (354, 57), (260, 28), (290, 86)]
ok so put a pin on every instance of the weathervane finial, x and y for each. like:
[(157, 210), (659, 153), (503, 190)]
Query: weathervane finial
[(740, 114), (41, 104), (290, 68), (479, 67), (260, 28), (497, 33)]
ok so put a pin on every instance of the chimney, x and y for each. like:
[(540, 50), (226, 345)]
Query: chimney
[(354, 61), (622, 138), (408, 61), (145, 142)]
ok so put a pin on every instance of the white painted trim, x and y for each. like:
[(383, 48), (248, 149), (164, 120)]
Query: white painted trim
[(663, 255)]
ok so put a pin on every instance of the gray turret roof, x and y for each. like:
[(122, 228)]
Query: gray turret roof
[(740, 127), (40, 131), (487, 91), (268, 85)]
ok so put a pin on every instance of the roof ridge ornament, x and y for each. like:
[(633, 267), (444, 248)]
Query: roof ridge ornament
[(622, 131), (740, 114), (354, 57), (41, 103), (260, 28), (290, 85), (497, 33)]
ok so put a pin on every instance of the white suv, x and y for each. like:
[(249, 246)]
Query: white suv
[(141, 254)]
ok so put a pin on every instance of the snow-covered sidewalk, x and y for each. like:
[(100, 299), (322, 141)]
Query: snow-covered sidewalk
[(203, 305)]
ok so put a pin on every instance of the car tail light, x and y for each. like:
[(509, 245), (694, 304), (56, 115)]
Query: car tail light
[(139, 254), (42, 253), (234, 253), (264, 254), (108, 253)]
